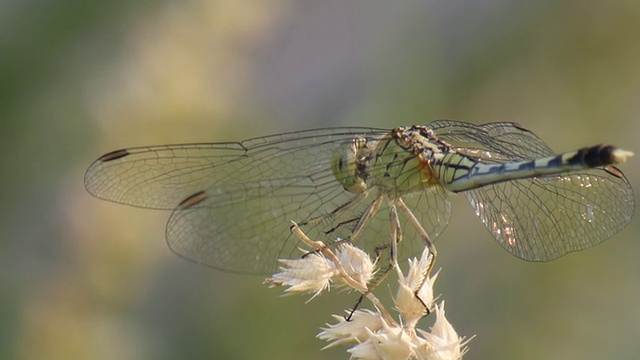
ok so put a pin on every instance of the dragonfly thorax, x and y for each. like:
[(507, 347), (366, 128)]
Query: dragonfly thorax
[(403, 160), (396, 163)]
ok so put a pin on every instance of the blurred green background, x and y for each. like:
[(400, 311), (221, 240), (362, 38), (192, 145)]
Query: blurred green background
[(86, 279)]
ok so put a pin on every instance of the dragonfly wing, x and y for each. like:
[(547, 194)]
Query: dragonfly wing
[(160, 177), (245, 227), (543, 218), (492, 142)]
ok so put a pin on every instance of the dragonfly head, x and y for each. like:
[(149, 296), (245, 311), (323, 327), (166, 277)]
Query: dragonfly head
[(349, 164)]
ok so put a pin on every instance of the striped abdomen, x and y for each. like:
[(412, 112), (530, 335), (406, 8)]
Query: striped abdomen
[(459, 172)]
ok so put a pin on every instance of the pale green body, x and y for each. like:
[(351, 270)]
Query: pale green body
[(406, 160)]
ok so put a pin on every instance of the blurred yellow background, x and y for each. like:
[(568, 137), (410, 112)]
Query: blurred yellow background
[(86, 279)]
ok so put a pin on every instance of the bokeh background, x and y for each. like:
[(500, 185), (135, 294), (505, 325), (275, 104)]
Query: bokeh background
[(85, 279)]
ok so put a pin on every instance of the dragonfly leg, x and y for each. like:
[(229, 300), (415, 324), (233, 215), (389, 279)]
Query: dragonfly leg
[(371, 210), (353, 202), (432, 249), (369, 213), (395, 237)]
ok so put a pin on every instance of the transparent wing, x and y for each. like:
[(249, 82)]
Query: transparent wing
[(234, 202), (244, 226), (492, 142), (250, 236), (542, 218), (160, 177), (251, 190)]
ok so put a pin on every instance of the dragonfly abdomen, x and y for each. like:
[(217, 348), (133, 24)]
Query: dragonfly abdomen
[(459, 172)]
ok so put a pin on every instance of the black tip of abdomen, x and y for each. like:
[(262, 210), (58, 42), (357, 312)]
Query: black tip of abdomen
[(599, 155)]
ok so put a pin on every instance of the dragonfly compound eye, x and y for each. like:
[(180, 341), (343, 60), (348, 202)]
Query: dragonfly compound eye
[(349, 164), (345, 168)]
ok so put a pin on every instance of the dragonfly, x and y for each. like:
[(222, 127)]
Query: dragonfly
[(232, 203)]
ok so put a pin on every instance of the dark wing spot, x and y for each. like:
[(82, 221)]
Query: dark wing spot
[(613, 171), (193, 200), (520, 127), (114, 155)]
